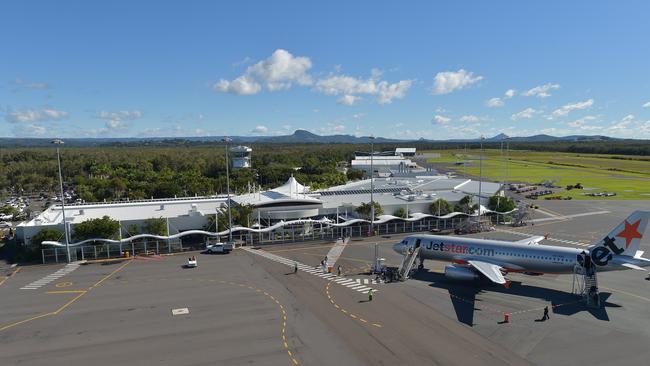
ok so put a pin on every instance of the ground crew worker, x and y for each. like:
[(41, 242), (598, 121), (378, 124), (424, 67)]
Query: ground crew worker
[(545, 317), (370, 295), (339, 269), (295, 267)]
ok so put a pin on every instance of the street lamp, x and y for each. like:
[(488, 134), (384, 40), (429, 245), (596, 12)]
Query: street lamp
[(227, 140), (480, 181), (372, 184), (58, 142)]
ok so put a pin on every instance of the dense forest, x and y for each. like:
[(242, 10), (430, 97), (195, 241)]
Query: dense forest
[(114, 173), (178, 167)]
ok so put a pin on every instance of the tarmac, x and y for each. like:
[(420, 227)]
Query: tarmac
[(244, 308)]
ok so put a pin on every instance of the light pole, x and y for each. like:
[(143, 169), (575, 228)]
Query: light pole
[(227, 140), (58, 142), (507, 158), (480, 181), (372, 184)]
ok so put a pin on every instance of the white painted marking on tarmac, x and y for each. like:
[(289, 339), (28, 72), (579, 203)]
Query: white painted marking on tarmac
[(51, 277), (180, 311), (314, 271)]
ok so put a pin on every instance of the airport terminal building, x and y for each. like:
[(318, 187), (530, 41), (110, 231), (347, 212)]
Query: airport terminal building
[(275, 210)]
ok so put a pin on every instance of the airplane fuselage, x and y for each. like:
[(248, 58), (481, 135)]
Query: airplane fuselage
[(519, 257)]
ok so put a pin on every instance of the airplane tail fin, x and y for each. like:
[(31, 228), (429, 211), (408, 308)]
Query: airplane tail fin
[(625, 238)]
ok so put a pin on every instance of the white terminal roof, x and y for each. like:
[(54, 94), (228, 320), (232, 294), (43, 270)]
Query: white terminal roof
[(387, 191), (405, 150)]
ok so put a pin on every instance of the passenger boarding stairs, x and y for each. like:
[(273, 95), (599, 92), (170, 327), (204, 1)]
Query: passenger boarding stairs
[(585, 284), (408, 261)]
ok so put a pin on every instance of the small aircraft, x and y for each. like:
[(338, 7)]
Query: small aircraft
[(472, 258)]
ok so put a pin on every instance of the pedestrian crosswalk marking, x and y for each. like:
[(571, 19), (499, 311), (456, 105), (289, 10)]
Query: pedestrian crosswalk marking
[(354, 284), (51, 277)]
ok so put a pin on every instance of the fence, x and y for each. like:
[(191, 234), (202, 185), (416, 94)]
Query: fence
[(303, 232)]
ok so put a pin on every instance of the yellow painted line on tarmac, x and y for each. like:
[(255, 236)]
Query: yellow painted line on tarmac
[(25, 321), (344, 311), (63, 284), (4, 278), (69, 303), (110, 274), (80, 294)]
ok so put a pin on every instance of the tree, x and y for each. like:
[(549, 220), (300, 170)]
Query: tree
[(464, 205), (155, 226), (104, 228), (501, 204), (440, 207), (364, 210), (9, 210), (45, 235), (240, 217), (400, 212), (132, 230), (355, 174)]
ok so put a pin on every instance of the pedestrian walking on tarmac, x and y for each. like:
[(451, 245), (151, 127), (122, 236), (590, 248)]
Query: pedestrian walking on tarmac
[(545, 317), (370, 295), (339, 269), (295, 267)]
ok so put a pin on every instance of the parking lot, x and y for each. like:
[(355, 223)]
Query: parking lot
[(244, 308)]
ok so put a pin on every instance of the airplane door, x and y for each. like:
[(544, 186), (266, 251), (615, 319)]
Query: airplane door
[(417, 243)]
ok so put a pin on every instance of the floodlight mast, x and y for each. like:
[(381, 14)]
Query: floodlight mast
[(59, 142), (227, 140)]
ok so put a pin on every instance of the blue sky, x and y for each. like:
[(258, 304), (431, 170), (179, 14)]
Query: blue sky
[(443, 69)]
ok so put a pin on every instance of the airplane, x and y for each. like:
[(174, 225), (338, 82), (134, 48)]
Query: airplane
[(472, 258)]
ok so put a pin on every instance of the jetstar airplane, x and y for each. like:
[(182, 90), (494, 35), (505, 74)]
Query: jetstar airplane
[(493, 259)]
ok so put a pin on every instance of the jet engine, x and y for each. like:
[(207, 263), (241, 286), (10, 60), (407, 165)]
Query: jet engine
[(460, 273)]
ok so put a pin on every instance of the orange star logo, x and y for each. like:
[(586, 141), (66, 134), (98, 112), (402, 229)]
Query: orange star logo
[(630, 232)]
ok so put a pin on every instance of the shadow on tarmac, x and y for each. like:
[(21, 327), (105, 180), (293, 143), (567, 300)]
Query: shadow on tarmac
[(463, 296)]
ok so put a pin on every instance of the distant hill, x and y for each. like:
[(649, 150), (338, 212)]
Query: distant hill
[(299, 136)]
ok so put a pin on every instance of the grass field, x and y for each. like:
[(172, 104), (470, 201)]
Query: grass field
[(627, 176)]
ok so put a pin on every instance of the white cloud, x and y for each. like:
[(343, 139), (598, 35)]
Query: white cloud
[(278, 72), (120, 115), (332, 129), (281, 70), (359, 116), (450, 81), (440, 110), (350, 86), (260, 129), (470, 118), (525, 114), (348, 100), (494, 103), (646, 105), (581, 122), (33, 115), (440, 120), (243, 85), (541, 91), (24, 84), (388, 92), (567, 108), (499, 102), (30, 130), (118, 121)]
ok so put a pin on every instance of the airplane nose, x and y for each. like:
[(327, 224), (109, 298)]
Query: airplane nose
[(398, 247)]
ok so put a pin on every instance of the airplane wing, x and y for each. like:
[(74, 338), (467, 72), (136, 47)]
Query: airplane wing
[(489, 270), (632, 266), (533, 240)]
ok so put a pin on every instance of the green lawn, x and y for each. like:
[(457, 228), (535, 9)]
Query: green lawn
[(628, 177)]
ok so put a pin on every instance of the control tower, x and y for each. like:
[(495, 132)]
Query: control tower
[(240, 156)]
